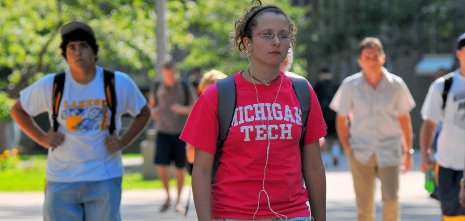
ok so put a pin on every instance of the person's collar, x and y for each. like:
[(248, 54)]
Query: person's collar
[(387, 75)]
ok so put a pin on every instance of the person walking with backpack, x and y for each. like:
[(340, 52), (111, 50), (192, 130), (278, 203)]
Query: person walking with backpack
[(445, 103), (374, 128), (261, 162), (171, 102), (84, 166), (325, 89), (206, 81)]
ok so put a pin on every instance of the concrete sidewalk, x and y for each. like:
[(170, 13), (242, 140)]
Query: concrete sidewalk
[(143, 205)]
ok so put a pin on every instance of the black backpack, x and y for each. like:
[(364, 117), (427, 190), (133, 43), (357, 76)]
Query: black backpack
[(227, 104), (109, 87)]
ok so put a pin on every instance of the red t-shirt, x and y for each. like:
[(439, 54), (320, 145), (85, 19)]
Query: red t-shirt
[(240, 173)]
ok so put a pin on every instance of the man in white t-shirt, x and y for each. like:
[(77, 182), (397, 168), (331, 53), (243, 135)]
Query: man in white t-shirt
[(450, 151), (84, 168)]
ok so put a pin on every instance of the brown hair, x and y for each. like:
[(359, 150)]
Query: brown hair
[(245, 24), (370, 42)]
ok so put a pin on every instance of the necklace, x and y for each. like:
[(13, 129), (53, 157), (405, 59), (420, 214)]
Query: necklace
[(265, 82)]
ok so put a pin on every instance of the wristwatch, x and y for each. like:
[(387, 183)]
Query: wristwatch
[(462, 182), (410, 151)]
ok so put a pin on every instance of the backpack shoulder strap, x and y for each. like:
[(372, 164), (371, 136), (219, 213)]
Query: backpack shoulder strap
[(186, 90), (447, 84), (156, 85), (300, 87), (58, 86), (226, 104), (109, 82)]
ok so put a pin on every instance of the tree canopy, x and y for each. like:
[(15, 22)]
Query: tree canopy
[(199, 33)]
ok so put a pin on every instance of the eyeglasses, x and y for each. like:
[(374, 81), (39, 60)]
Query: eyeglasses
[(270, 36)]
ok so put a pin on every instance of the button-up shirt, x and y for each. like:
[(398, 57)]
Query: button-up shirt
[(373, 114)]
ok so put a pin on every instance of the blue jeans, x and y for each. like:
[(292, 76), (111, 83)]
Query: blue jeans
[(78, 201)]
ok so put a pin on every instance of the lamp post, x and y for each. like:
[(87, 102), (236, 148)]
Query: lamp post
[(160, 9), (148, 145)]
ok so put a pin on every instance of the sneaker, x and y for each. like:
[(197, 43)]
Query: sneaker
[(164, 207), (180, 209)]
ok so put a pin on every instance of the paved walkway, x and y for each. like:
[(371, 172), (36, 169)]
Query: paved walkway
[(143, 205)]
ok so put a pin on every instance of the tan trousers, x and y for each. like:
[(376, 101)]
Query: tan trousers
[(364, 179)]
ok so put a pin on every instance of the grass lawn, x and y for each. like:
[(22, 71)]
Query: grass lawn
[(31, 176)]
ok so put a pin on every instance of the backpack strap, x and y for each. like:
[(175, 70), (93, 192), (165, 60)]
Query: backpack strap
[(109, 82), (447, 84), (156, 85), (302, 91), (226, 104), (58, 85), (186, 91)]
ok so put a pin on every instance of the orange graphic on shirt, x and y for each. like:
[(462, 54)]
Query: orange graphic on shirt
[(72, 123)]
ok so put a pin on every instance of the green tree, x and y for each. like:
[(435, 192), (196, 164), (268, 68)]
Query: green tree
[(198, 35), (407, 28), (30, 38), (200, 32)]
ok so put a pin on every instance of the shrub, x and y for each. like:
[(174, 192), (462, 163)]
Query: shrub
[(9, 160), (5, 107)]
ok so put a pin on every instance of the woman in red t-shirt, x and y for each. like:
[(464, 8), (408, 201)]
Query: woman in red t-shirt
[(259, 175)]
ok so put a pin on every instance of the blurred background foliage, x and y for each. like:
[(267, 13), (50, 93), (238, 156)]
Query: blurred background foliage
[(199, 31), (198, 34)]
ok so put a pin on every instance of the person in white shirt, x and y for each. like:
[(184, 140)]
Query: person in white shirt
[(84, 168), (374, 126), (450, 151)]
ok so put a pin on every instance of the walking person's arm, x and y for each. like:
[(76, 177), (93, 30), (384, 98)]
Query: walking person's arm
[(426, 142), (342, 128), (406, 126), (202, 184), (50, 139), (181, 109), (315, 180)]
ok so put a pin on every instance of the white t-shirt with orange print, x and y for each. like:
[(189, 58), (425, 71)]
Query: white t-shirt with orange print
[(84, 121)]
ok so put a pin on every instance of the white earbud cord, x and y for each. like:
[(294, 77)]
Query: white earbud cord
[(263, 190)]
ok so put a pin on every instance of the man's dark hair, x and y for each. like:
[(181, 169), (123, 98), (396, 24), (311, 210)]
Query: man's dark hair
[(78, 35), (461, 41), (170, 65)]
